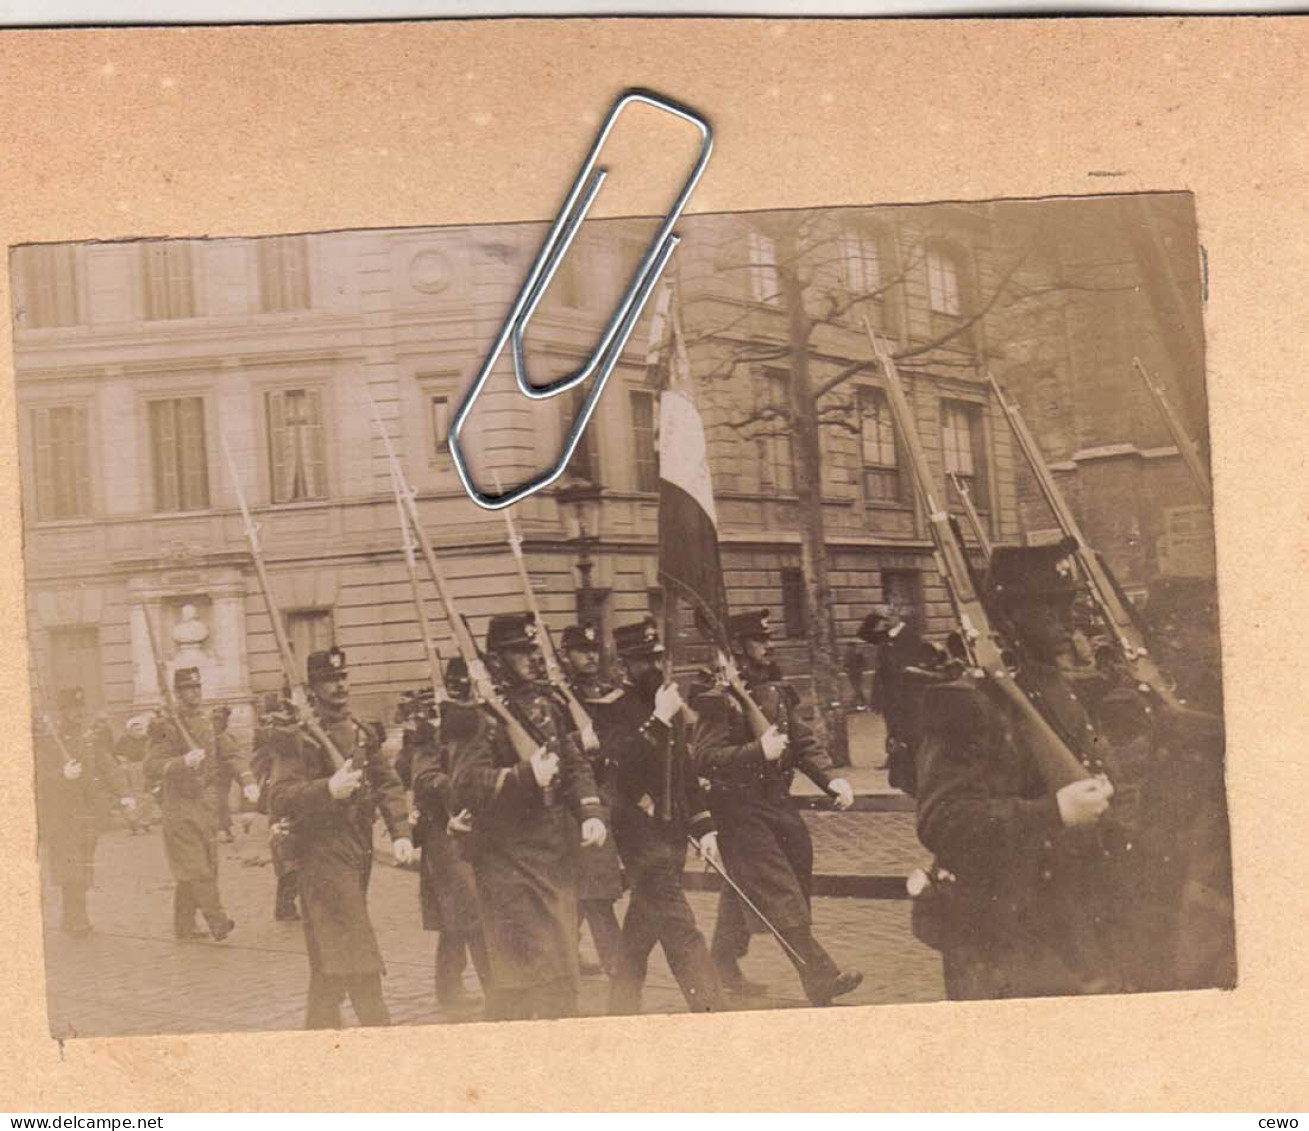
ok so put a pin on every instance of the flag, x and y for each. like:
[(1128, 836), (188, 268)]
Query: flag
[(689, 561)]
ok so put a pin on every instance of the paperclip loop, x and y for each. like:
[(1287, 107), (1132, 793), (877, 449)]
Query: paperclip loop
[(607, 352)]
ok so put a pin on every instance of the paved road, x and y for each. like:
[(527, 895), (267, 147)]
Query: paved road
[(132, 977)]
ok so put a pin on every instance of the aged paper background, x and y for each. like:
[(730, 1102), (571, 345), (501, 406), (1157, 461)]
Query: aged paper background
[(247, 131)]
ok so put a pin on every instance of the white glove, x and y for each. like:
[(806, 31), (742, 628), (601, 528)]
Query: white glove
[(844, 794), (707, 847), (128, 803), (545, 766), (460, 823), (668, 701), (345, 781), (590, 740), (72, 770), (1084, 802), (594, 833), (402, 848), (251, 793), (194, 757), (774, 743)]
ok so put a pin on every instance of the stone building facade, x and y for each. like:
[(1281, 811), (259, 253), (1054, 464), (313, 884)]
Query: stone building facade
[(139, 363)]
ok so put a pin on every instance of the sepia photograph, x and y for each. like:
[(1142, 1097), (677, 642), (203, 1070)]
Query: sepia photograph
[(865, 652)]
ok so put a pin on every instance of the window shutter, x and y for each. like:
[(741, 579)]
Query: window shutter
[(81, 464), (192, 456), (45, 484), (977, 438), (163, 451), (281, 463), (315, 458)]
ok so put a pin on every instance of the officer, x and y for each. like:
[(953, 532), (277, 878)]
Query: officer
[(187, 774), (447, 889), (75, 772), (1035, 904), (765, 843), (660, 804), (526, 801), (330, 811), (600, 884)]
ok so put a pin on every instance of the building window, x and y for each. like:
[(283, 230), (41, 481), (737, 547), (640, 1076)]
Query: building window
[(179, 454), (309, 630), (878, 448), (943, 282), (585, 464), (762, 251), (75, 662), (47, 278), (283, 274), (438, 416), (645, 459), (296, 460), (964, 451), (61, 462), (776, 451), (861, 263), (902, 590), (793, 603), (169, 283)]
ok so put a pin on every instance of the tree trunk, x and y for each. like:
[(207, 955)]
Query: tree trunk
[(824, 656)]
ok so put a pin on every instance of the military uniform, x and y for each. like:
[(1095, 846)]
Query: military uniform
[(333, 841), (651, 826), (525, 842), (72, 808), (188, 803), (600, 883), (765, 843), (275, 713), (1035, 908), (447, 888)]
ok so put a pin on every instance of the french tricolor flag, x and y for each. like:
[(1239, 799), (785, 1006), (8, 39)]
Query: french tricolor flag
[(689, 562)]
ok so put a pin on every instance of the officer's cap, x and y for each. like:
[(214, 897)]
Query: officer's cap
[(639, 639), (1031, 573), (186, 677), (326, 665), (581, 638), (750, 626), (509, 631)]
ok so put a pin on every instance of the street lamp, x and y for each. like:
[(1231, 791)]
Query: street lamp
[(579, 505)]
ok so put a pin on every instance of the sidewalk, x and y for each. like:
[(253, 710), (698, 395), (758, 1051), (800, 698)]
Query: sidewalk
[(867, 753)]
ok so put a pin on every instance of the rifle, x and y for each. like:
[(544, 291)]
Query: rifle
[(299, 692), (161, 678), (420, 607), (554, 671), (49, 716), (1115, 610), (1185, 445), (483, 688), (1058, 765)]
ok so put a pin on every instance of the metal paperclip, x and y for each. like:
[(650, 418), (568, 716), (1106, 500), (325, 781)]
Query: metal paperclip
[(607, 352)]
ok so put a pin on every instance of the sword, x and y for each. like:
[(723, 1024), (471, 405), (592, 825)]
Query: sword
[(750, 904)]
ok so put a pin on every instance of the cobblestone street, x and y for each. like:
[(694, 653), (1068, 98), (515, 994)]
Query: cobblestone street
[(132, 977)]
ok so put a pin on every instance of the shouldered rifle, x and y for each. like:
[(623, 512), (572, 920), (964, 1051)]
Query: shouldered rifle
[(420, 607), (1185, 445), (731, 677), (161, 678), (49, 717), (299, 693), (974, 519), (483, 688), (1058, 765), (554, 671), (1115, 610)]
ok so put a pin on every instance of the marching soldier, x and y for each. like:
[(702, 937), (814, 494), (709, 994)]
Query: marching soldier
[(447, 890), (276, 712), (187, 777), (601, 883), (525, 840), (331, 813), (765, 843), (657, 807), (1033, 897), (75, 772), (130, 750)]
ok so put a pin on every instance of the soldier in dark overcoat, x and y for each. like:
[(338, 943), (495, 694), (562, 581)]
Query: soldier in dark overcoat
[(186, 762), (76, 776), (447, 889), (525, 808), (1037, 901), (276, 711), (765, 843), (331, 811), (601, 881), (659, 805)]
